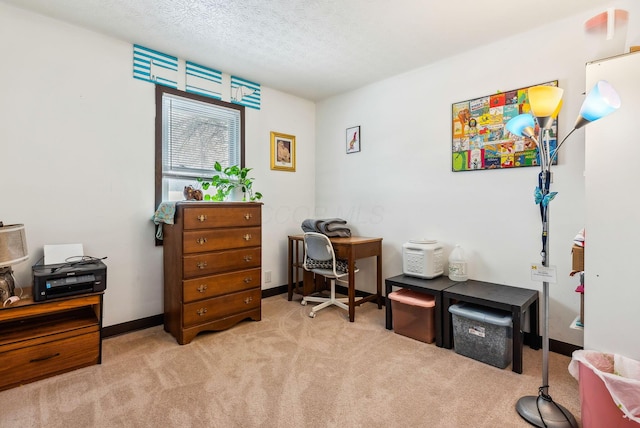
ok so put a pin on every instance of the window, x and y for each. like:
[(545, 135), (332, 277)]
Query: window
[(192, 133)]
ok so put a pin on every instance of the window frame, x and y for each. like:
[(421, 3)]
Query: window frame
[(160, 91)]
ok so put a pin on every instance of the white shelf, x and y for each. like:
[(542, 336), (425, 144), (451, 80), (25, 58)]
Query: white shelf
[(575, 324)]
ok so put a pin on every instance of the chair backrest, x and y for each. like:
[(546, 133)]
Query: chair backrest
[(319, 255)]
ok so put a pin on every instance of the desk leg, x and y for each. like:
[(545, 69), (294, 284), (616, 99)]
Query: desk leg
[(447, 331), (352, 288), (389, 315), (379, 285), (517, 334)]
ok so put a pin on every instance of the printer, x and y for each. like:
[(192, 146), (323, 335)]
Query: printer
[(68, 279)]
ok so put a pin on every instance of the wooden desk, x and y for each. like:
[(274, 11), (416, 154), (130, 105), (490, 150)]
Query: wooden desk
[(433, 287), (513, 299), (350, 249), (296, 254)]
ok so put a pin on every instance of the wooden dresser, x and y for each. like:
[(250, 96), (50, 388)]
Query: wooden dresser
[(42, 339), (212, 267)]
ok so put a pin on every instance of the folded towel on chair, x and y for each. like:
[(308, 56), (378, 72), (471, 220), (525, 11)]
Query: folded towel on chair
[(309, 225), (333, 223), (332, 227), (343, 232)]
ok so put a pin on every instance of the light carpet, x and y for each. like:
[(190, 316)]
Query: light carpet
[(287, 370)]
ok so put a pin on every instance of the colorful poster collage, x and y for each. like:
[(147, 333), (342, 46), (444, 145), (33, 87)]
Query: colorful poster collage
[(480, 139)]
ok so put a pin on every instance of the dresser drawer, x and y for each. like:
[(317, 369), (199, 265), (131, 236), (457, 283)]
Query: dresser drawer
[(219, 262), (57, 356), (198, 241), (217, 285), (220, 307), (215, 217)]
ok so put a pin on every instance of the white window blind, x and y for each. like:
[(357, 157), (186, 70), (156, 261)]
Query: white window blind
[(195, 135)]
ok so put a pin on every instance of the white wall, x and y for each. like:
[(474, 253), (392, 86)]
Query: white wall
[(289, 196), (612, 292), (400, 186), (77, 142), (77, 157)]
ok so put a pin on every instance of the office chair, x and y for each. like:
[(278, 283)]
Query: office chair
[(320, 258)]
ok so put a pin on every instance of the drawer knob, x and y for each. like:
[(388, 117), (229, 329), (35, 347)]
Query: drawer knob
[(248, 280), (202, 288), (201, 218), (201, 311), (248, 216), (247, 237), (248, 300), (202, 240), (201, 265), (247, 258)]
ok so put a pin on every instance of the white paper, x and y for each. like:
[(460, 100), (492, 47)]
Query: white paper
[(61, 253), (542, 273)]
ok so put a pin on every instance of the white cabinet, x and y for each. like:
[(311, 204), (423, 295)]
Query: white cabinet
[(612, 227)]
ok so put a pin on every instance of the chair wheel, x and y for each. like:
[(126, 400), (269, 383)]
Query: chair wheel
[(312, 314), (303, 302)]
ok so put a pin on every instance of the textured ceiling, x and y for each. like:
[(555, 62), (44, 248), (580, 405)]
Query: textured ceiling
[(310, 48)]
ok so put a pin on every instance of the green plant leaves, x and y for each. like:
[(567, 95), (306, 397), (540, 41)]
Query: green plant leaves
[(228, 179)]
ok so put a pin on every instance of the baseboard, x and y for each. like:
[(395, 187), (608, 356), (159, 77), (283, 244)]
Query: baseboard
[(152, 321), (562, 347), (129, 326), (556, 346), (269, 292), (343, 290)]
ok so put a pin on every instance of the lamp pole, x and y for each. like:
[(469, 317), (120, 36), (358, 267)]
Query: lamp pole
[(545, 102), (541, 410)]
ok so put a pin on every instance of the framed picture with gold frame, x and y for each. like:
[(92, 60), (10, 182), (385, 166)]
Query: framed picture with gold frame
[(283, 152)]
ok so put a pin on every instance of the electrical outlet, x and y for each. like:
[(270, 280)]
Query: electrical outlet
[(267, 277)]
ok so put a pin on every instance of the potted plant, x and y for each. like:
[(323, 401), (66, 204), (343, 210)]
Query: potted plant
[(228, 179)]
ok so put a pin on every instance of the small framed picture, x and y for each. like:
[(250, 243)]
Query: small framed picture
[(353, 139), (283, 152)]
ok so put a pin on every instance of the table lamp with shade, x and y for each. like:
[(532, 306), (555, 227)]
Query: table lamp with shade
[(13, 250), (545, 102)]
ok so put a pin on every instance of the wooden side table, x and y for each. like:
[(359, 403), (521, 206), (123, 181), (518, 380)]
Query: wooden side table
[(512, 299), (43, 339), (433, 287)]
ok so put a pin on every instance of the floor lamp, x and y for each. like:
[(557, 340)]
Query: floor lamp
[(545, 102)]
